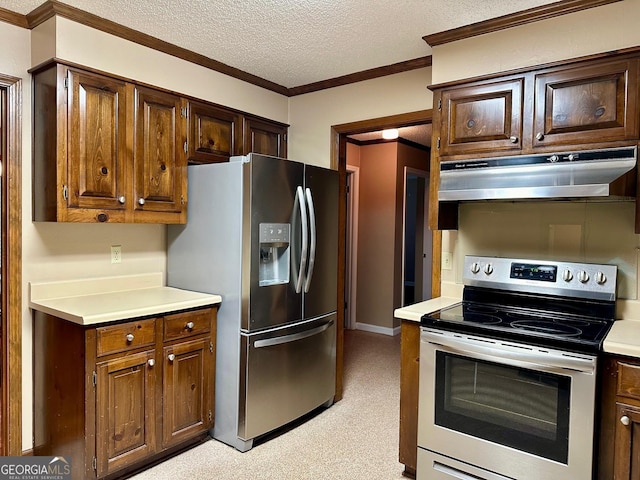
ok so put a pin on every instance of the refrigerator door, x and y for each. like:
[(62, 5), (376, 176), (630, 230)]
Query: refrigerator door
[(321, 193), (271, 209), (288, 373)]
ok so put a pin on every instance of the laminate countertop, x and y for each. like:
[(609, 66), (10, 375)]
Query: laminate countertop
[(108, 299)]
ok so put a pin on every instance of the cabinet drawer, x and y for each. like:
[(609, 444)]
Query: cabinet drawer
[(628, 380), (183, 325), (125, 336)]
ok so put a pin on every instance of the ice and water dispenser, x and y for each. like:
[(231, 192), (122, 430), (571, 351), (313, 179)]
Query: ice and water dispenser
[(274, 254)]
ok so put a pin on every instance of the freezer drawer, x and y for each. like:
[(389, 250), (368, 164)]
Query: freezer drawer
[(289, 372)]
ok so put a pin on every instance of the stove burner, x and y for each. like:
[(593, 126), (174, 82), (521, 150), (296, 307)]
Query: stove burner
[(567, 321), (481, 309), (547, 327), (482, 318)]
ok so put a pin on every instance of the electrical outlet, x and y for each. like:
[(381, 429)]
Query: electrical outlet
[(446, 261), (116, 253)]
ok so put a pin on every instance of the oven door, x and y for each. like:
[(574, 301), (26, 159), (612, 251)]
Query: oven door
[(511, 409)]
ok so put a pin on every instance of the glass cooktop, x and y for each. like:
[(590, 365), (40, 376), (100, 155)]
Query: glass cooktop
[(580, 333)]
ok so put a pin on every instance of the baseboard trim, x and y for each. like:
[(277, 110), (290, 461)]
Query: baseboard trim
[(27, 453), (366, 327)]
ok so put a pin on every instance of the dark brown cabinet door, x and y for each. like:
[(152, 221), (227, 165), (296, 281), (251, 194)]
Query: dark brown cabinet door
[(265, 138), (627, 443), (160, 164), (97, 155), (125, 411), (214, 134), (481, 118), (586, 105), (187, 396)]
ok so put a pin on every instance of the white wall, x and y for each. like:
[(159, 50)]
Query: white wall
[(312, 115), (596, 30)]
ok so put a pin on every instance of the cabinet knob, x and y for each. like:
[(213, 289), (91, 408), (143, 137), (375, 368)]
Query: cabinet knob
[(513, 139), (190, 325), (171, 357), (151, 362), (130, 337), (141, 201), (540, 136), (625, 420), (122, 199)]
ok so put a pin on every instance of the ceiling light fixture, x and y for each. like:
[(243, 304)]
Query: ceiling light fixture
[(390, 134)]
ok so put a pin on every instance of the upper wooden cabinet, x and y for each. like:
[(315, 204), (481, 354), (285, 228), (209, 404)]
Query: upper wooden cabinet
[(106, 150), (215, 134), (580, 106), (267, 138), (597, 103), (482, 118)]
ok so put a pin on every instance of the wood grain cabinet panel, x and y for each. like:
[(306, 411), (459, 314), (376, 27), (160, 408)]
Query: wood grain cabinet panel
[(125, 411), (267, 138), (482, 118), (215, 134), (585, 105), (409, 381), (114, 404), (627, 443)]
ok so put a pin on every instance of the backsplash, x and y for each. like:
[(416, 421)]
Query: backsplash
[(580, 231)]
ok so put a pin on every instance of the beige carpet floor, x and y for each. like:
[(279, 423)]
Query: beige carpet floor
[(356, 438)]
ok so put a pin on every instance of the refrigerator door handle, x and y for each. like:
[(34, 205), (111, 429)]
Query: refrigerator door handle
[(270, 342), (312, 247), (303, 252)]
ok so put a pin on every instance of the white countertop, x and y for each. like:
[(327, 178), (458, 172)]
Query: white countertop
[(107, 299), (451, 293)]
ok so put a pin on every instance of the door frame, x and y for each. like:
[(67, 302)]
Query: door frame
[(338, 152), (11, 238), (351, 230), (423, 174)]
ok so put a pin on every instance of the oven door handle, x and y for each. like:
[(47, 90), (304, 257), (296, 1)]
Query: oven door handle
[(549, 361)]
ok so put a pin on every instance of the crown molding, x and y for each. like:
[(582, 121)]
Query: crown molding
[(513, 20), (51, 8)]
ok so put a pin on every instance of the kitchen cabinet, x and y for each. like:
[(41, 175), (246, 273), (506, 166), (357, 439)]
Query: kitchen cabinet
[(118, 396), (215, 134), (265, 137), (106, 150), (619, 439), (578, 105), (482, 118)]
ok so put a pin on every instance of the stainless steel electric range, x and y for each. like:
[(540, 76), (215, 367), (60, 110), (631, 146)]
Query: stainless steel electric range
[(508, 375)]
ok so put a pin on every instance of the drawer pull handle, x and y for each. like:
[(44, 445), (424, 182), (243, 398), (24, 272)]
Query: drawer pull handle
[(151, 362), (513, 139), (130, 337), (171, 357), (625, 420), (190, 325)]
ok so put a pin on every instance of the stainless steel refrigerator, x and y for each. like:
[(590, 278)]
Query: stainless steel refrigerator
[(262, 232)]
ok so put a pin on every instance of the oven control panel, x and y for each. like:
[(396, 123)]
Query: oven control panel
[(584, 280)]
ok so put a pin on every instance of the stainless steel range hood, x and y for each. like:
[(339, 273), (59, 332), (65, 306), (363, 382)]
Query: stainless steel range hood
[(550, 176)]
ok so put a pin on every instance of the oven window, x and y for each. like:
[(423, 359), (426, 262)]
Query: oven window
[(520, 408)]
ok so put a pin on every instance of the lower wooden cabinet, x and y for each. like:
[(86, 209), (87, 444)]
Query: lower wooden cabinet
[(619, 439), (115, 397)]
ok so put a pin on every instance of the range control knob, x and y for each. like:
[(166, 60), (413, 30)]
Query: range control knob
[(567, 276), (583, 276), (475, 267), (601, 278), (488, 269)]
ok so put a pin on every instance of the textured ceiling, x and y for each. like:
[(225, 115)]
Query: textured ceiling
[(295, 42)]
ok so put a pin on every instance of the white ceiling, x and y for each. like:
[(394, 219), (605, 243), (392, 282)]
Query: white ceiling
[(295, 42)]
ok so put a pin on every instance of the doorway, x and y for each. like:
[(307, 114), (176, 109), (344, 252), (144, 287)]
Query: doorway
[(339, 135), (416, 241)]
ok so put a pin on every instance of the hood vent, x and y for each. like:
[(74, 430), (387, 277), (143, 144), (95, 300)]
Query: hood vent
[(550, 176)]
